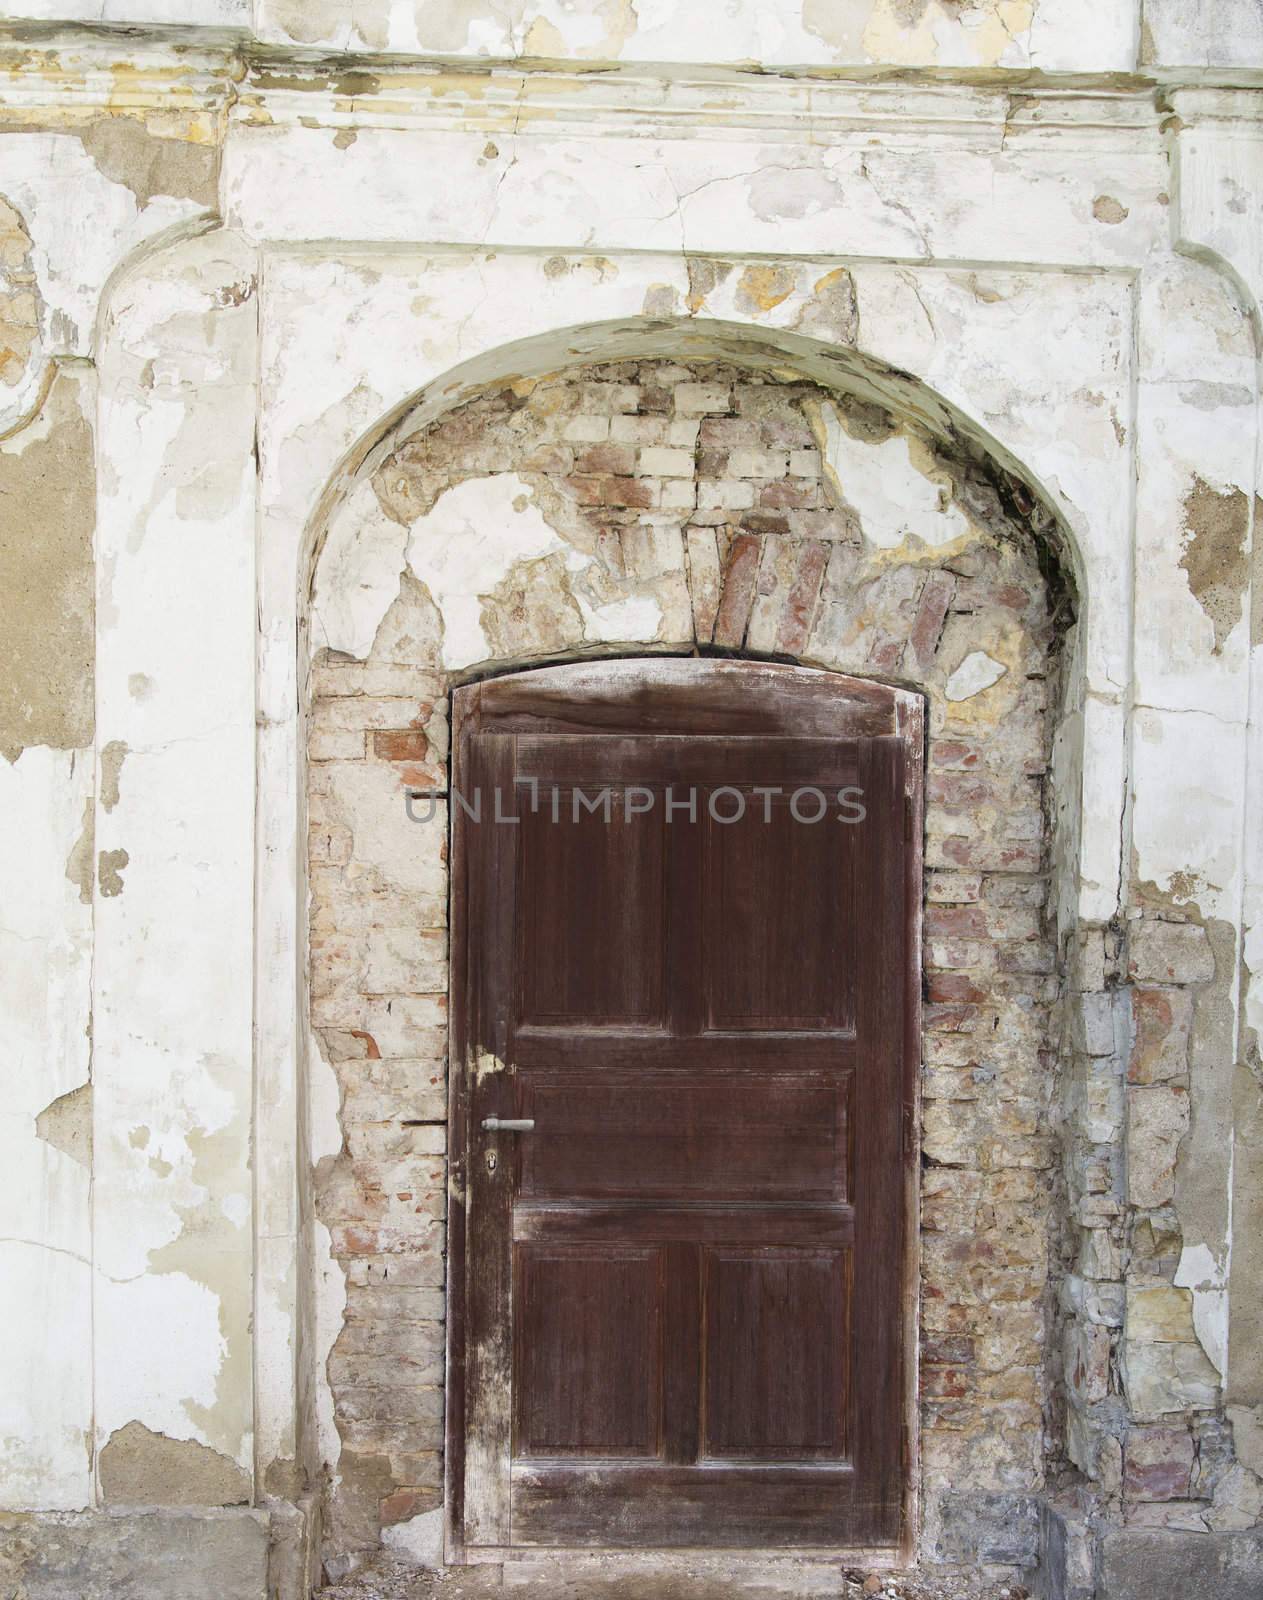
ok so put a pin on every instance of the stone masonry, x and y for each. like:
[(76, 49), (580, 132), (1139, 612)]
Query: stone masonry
[(714, 509)]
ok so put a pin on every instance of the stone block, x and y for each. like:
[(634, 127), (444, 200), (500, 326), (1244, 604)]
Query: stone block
[(1167, 1379), (1162, 1020), (1169, 952), (1144, 1564), (1000, 1528), (757, 463), (1066, 1569), (1157, 1463), (1238, 1501), (1160, 1314), (587, 429), (1220, 1443), (1188, 1515), (1088, 1346), (695, 399), (1096, 1302), (1095, 1032), (1157, 1120), (160, 1555), (1101, 1109), (661, 461)]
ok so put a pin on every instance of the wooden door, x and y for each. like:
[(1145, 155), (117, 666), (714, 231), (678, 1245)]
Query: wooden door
[(678, 1297)]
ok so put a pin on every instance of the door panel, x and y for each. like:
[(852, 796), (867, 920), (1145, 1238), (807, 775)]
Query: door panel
[(768, 877), (606, 1303), (777, 1356), (591, 944), (679, 1292), (679, 1135)]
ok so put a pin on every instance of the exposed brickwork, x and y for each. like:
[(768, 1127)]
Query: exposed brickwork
[(1144, 1399), (705, 489)]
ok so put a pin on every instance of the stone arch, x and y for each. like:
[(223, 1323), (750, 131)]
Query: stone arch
[(638, 492)]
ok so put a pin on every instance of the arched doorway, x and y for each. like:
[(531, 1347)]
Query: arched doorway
[(702, 508)]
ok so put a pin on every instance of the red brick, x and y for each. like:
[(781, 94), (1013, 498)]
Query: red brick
[(619, 459), (740, 574), (400, 744), (954, 753), (614, 491), (951, 987), (804, 596), (969, 922), (404, 1504)]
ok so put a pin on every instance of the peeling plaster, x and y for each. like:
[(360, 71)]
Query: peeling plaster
[(81, 862), (895, 500), (47, 516), (1217, 526), (976, 672), (20, 307), (66, 1124), (113, 755), (125, 151), (138, 1467), (473, 537), (1208, 1279), (110, 864)]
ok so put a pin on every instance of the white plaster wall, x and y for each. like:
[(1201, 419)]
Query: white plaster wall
[(1065, 36), (174, 967), (909, 173), (45, 1214), (186, 13), (1219, 166)]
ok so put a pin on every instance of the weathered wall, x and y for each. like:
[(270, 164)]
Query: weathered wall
[(1061, 274)]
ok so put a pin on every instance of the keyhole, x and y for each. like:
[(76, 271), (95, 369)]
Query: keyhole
[(492, 1161)]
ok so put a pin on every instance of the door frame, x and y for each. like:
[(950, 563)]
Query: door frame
[(778, 699)]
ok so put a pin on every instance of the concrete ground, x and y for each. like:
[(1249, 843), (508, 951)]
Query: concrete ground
[(388, 1579)]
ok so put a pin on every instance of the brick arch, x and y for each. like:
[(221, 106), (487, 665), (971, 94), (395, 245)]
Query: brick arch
[(660, 504)]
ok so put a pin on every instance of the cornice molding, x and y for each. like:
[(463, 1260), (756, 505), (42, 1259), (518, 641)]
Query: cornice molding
[(756, 107), (141, 74), (152, 71)]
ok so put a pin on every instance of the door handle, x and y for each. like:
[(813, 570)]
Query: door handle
[(509, 1124)]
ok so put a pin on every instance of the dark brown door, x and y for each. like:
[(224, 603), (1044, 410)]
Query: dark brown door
[(687, 967)]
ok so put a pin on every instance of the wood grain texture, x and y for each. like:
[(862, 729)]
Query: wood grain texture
[(683, 1305)]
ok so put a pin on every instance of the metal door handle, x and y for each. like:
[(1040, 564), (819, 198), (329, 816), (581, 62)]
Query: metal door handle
[(509, 1124)]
